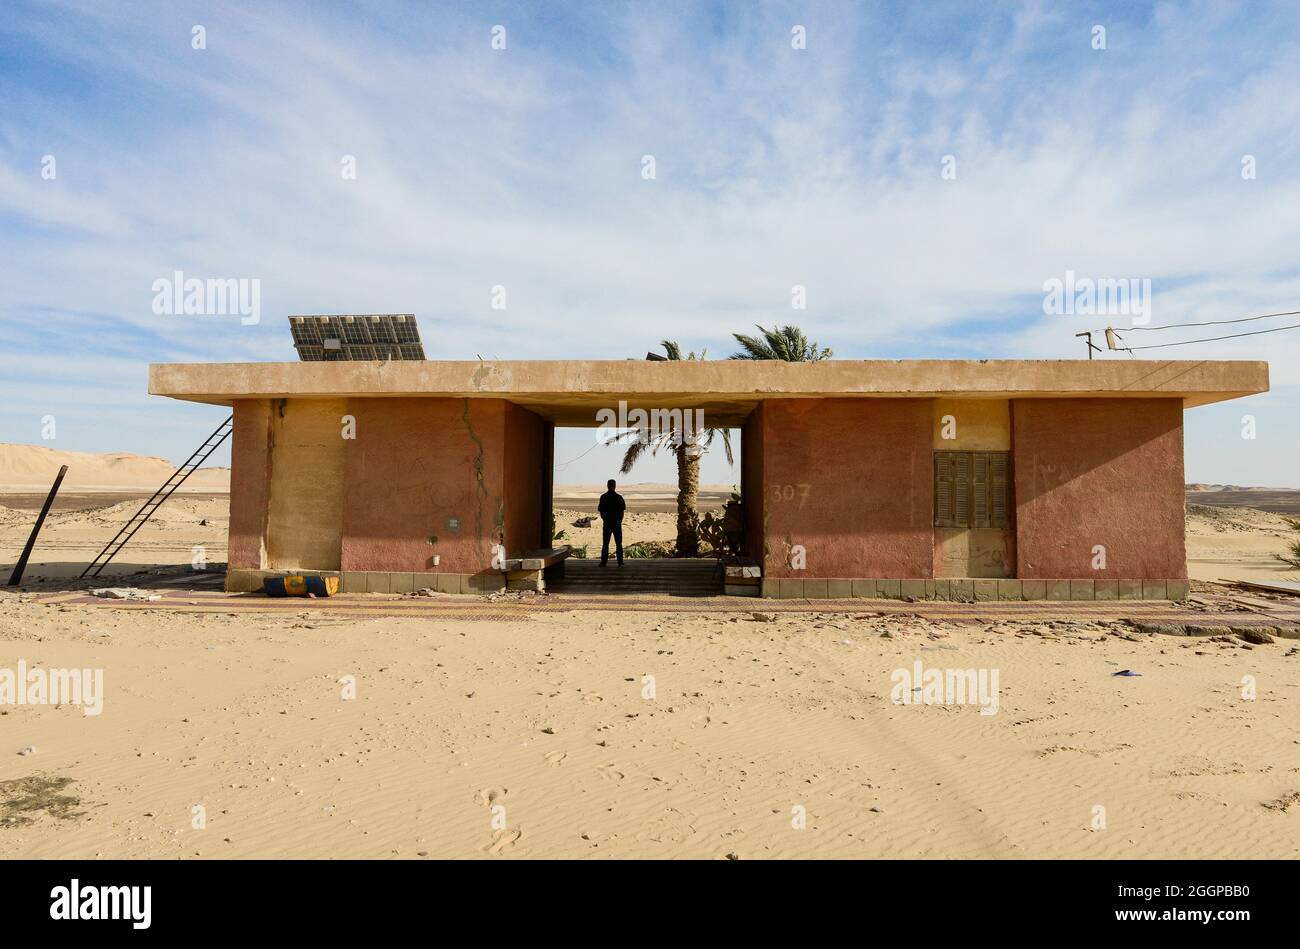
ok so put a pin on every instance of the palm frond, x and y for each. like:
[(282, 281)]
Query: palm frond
[(784, 343), (726, 444), (752, 347), (630, 457)]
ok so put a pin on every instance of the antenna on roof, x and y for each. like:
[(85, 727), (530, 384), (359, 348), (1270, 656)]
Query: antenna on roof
[(1091, 345)]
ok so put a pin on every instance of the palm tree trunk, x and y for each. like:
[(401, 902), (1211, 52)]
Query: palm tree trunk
[(688, 502)]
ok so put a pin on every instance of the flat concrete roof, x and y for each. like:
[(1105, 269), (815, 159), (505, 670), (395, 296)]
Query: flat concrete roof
[(570, 391)]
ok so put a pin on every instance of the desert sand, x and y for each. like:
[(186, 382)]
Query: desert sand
[(548, 717), (620, 733)]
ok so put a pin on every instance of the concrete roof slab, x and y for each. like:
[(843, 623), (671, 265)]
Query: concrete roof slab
[(570, 391)]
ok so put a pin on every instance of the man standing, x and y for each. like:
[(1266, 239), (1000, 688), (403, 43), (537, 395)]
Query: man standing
[(611, 510)]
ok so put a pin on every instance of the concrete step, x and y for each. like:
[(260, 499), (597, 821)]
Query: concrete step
[(682, 577)]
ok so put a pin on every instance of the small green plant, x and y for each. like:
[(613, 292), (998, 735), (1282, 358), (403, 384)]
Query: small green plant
[(725, 533), (1292, 557), (650, 550), (557, 535)]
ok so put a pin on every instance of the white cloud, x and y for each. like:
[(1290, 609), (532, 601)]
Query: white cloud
[(776, 167)]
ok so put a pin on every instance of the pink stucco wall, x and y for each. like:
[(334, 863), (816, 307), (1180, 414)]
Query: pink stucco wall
[(1102, 473), (526, 452), (851, 480), (424, 477)]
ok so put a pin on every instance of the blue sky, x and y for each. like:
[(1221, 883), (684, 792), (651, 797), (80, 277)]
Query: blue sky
[(521, 167)]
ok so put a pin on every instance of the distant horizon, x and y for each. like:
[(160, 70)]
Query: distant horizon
[(907, 183), (668, 483)]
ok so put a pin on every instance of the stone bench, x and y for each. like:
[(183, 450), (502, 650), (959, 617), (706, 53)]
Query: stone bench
[(531, 571), (742, 576)]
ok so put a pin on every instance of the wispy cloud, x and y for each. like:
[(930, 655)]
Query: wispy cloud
[(522, 168)]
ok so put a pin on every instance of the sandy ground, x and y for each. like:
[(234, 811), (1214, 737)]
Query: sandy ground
[(1232, 543), (548, 719), (184, 528), (538, 737)]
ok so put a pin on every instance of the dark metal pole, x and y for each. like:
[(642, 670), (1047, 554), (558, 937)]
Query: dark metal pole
[(17, 576)]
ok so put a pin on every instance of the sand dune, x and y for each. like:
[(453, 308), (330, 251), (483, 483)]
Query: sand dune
[(33, 468)]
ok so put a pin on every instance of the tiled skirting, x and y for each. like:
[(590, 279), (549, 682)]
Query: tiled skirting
[(976, 591), (962, 591)]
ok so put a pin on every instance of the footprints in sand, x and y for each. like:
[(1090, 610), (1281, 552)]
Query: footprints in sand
[(553, 758), (505, 839), (670, 827), (1090, 752), (610, 773), (503, 842), (489, 796)]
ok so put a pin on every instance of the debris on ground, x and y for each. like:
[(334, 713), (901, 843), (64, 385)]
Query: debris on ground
[(1285, 802), (124, 593), (515, 595), (23, 800)]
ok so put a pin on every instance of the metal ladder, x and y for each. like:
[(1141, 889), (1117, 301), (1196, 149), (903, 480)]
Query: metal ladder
[(138, 519)]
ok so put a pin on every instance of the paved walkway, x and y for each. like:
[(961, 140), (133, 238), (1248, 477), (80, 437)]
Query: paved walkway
[(1209, 609)]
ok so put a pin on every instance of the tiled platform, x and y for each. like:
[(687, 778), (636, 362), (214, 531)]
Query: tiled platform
[(517, 607)]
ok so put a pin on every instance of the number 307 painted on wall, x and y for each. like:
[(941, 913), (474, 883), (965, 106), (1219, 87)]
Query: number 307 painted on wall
[(788, 492)]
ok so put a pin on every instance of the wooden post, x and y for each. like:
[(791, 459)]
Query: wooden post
[(17, 575)]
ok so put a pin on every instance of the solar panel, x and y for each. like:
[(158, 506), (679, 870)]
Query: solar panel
[(355, 338)]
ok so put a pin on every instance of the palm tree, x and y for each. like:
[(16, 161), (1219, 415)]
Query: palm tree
[(788, 344), (688, 465)]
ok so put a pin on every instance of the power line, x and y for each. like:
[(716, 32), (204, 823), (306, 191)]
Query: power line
[(1211, 339), (584, 454), (1244, 319)]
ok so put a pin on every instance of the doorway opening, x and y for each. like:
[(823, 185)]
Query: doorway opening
[(584, 459)]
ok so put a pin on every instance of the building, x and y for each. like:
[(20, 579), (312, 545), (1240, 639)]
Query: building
[(953, 479)]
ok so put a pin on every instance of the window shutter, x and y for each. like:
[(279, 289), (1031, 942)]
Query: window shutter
[(999, 489), (944, 512), (979, 515), (972, 489), (961, 488)]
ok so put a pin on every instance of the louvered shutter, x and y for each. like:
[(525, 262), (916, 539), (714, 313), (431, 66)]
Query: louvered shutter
[(979, 515), (972, 489), (944, 511), (961, 488), (1000, 489)]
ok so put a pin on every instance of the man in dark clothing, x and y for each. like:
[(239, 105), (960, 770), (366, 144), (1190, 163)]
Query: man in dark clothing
[(611, 510)]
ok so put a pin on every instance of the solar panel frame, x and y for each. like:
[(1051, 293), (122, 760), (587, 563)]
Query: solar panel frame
[(369, 337)]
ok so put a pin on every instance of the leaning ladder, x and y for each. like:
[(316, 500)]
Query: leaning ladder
[(138, 519)]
